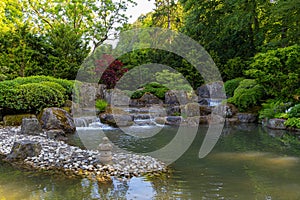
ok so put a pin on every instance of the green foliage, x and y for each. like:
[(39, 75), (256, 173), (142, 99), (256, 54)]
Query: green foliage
[(101, 105), (273, 109), (231, 85), (173, 80), (295, 111), (281, 115), (278, 71), (66, 84), (55, 86), (293, 122), (234, 68), (29, 98), (31, 94), (153, 88), (247, 95)]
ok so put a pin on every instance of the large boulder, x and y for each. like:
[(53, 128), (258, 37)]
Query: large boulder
[(56, 118), (31, 126), (89, 92), (23, 149)]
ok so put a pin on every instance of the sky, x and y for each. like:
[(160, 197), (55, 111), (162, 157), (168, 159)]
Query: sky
[(143, 7)]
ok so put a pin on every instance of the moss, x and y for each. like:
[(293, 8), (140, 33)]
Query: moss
[(16, 120)]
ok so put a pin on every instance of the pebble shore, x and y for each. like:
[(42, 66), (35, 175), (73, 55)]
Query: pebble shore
[(58, 155)]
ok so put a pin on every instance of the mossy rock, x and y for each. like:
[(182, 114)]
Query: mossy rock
[(115, 110), (57, 118), (16, 120)]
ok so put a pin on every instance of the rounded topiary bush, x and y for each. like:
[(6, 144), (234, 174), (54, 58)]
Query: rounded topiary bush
[(247, 95), (30, 98), (66, 84)]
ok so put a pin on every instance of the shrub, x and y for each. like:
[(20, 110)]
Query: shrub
[(295, 111), (30, 98), (101, 105), (231, 85), (153, 88), (55, 86), (293, 122), (247, 94), (67, 84), (272, 108), (278, 71)]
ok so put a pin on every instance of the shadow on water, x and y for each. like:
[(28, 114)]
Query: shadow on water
[(246, 163)]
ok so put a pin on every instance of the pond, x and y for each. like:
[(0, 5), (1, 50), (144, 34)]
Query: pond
[(246, 163)]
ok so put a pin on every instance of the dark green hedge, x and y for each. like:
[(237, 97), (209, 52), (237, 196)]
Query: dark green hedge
[(32, 94)]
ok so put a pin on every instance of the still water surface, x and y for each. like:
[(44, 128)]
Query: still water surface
[(247, 163)]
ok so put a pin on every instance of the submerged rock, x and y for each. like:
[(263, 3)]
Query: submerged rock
[(56, 118)]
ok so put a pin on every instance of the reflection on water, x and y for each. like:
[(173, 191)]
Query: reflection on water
[(245, 164)]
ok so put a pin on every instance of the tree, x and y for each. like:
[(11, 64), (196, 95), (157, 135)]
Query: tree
[(227, 29), (95, 21), (11, 15), (110, 70), (278, 71)]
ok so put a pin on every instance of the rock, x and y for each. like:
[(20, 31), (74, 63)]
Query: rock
[(173, 110), (232, 120), (147, 99), (173, 120), (205, 110), (16, 120), (230, 110), (117, 120), (191, 110), (203, 119), (160, 120), (89, 92), (117, 97), (213, 90), (31, 126), (56, 134), (56, 118), (247, 117), (23, 149), (176, 97), (276, 124), (203, 102), (191, 121)]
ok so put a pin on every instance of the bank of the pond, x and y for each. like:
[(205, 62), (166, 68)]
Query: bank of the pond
[(58, 156)]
